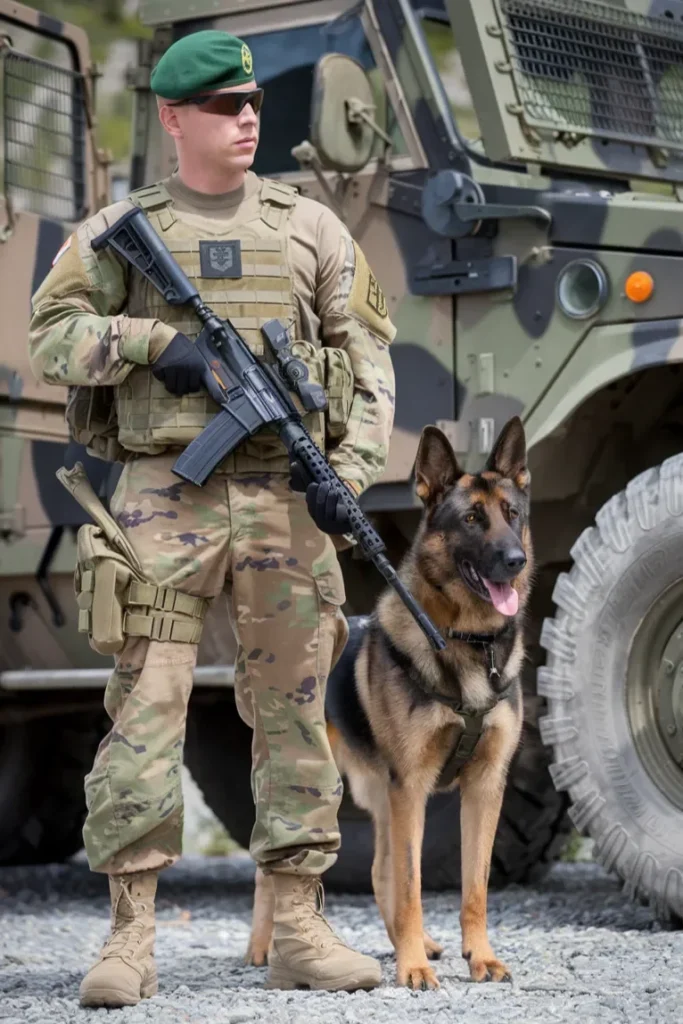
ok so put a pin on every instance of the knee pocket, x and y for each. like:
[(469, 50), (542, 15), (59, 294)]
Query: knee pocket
[(329, 583), (334, 630)]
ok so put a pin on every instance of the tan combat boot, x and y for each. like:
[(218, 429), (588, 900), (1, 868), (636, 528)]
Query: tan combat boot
[(125, 972), (304, 951)]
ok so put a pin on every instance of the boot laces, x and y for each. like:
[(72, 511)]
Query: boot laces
[(315, 925), (126, 937)]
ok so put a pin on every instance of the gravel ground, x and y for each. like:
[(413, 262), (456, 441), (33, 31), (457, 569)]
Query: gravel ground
[(579, 951)]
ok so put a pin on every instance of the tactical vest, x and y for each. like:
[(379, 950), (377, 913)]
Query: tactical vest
[(149, 418)]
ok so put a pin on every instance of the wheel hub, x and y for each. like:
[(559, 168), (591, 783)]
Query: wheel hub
[(669, 691), (654, 692)]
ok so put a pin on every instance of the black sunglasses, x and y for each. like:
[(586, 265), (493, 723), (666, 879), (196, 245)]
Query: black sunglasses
[(231, 103)]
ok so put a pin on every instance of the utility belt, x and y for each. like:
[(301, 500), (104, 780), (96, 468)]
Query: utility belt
[(115, 600)]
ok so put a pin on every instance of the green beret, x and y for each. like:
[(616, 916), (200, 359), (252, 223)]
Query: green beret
[(201, 62)]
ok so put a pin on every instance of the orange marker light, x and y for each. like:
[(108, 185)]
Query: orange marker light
[(639, 286)]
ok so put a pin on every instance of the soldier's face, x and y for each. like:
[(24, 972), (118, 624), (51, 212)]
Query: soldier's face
[(213, 135)]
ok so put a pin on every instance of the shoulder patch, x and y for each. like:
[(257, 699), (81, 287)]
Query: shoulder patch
[(366, 300), (67, 276), (60, 252)]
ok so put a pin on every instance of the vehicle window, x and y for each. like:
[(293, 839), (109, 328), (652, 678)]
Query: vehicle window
[(446, 56), (43, 108), (284, 61)]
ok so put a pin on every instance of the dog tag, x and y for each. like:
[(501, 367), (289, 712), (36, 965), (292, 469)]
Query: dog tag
[(493, 671)]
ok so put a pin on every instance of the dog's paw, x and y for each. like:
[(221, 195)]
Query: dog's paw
[(257, 952), (432, 948), (422, 977), (487, 968)]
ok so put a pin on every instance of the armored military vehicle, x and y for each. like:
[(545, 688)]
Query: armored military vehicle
[(51, 175), (513, 170)]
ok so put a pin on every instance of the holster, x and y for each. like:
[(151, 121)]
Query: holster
[(115, 600)]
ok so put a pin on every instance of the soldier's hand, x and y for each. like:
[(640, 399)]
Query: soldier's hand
[(323, 500), (180, 367), (299, 480)]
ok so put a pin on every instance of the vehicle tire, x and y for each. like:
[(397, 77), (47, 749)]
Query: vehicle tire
[(42, 804), (614, 686), (531, 832)]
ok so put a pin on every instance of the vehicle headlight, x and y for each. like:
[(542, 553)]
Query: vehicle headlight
[(582, 289)]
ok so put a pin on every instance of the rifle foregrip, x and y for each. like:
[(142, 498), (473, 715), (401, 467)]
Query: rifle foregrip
[(319, 469), (303, 448)]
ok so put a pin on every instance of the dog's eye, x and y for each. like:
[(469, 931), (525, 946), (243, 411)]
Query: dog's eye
[(513, 513), (470, 517)]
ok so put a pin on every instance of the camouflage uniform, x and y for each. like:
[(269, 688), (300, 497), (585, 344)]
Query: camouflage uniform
[(97, 326)]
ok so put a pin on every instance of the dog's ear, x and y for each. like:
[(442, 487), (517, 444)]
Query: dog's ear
[(436, 467), (509, 454)]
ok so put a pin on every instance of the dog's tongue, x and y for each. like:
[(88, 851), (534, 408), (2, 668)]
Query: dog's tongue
[(505, 599)]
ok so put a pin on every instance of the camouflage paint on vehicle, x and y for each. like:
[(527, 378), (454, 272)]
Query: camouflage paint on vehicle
[(481, 356), (45, 65)]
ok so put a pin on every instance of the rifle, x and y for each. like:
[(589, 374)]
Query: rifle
[(250, 395)]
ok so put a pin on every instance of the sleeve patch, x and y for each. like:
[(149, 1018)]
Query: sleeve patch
[(66, 245), (366, 300), (66, 277)]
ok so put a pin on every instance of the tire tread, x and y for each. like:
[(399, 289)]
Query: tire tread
[(648, 499)]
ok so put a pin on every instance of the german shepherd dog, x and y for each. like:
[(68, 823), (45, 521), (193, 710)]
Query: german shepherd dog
[(405, 721)]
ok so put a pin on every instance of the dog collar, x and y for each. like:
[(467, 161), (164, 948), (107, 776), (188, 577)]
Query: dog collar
[(474, 638)]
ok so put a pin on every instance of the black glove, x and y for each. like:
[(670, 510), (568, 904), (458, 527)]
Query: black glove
[(180, 367), (324, 506)]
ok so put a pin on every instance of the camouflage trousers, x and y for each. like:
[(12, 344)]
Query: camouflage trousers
[(252, 535)]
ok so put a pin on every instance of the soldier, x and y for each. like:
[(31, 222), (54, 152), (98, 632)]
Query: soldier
[(257, 250)]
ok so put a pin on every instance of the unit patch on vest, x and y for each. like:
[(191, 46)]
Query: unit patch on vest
[(220, 259)]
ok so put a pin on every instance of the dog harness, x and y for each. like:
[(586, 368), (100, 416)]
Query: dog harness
[(467, 740)]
